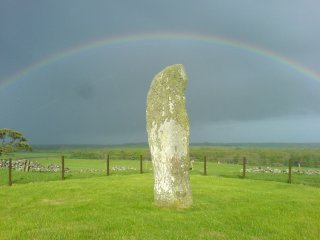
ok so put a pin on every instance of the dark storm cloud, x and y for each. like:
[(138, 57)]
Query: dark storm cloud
[(99, 96), (86, 90)]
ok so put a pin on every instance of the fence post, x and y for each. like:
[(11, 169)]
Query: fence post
[(141, 170), (108, 165), (244, 167), (205, 165), (28, 166), (290, 166), (10, 172), (62, 167), (25, 165)]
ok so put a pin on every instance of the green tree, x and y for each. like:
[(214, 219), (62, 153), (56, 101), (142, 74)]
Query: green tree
[(12, 141)]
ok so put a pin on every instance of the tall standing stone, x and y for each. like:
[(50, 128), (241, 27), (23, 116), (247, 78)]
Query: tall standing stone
[(168, 137)]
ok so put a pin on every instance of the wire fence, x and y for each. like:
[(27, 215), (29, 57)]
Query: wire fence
[(54, 167)]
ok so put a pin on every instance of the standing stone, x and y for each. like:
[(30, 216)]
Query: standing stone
[(168, 137)]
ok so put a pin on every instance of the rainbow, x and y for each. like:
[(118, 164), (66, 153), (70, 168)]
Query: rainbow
[(109, 41)]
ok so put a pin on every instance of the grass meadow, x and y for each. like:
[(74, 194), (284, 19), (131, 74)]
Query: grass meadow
[(91, 205)]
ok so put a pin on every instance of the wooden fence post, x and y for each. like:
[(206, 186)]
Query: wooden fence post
[(244, 167), (10, 172), (62, 167), (141, 170), (108, 165), (290, 166), (28, 166), (205, 165), (25, 165)]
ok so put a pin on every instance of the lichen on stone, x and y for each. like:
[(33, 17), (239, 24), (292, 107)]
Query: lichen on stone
[(168, 137)]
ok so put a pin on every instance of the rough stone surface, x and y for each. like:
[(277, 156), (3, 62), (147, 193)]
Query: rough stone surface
[(27, 165), (168, 137), (286, 171)]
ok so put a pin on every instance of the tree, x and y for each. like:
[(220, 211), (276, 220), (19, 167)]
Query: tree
[(12, 141)]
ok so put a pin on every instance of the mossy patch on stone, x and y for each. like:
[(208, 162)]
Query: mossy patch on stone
[(168, 137)]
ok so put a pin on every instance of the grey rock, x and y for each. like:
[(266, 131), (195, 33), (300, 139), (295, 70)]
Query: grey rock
[(23, 164), (168, 137)]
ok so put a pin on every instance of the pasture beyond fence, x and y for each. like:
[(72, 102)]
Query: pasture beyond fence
[(59, 167), (48, 168)]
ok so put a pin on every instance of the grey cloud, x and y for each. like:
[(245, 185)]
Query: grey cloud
[(99, 95)]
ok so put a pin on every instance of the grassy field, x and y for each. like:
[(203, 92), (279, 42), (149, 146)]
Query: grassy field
[(90, 205), (120, 207), (80, 168), (86, 168)]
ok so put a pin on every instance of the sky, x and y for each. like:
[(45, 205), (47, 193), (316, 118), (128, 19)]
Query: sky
[(78, 72)]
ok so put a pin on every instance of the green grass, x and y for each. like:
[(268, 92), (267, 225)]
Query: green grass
[(230, 157), (277, 155), (77, 167), (120, 207), (91, 205)]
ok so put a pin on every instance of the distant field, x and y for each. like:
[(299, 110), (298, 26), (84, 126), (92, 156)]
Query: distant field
[(276, 156), (87, 162)]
